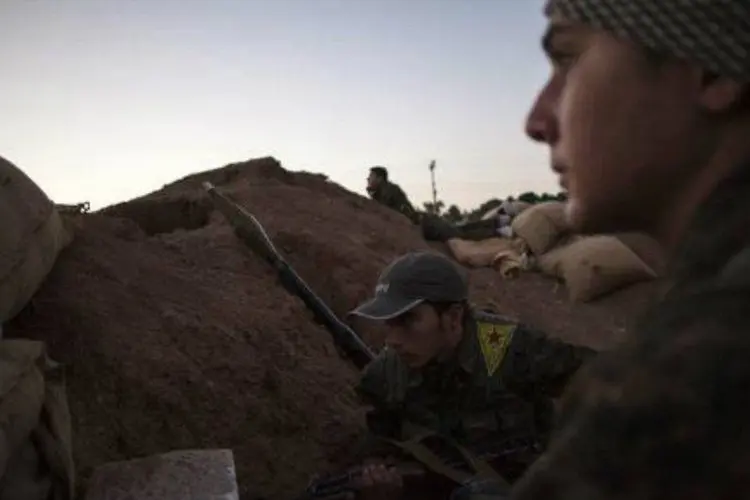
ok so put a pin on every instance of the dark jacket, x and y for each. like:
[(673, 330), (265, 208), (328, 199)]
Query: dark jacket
[(392, 196), (666, 415), (500, 383)]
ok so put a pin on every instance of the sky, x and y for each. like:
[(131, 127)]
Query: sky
[(107, 100)]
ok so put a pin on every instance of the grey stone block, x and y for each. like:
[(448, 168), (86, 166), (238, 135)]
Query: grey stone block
[(177, 475)]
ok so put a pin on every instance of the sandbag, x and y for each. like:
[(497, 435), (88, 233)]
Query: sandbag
[(478, 253), (512, 208), (32, 236), (36, 460), (510, 263), (592, 266), (541, 226)]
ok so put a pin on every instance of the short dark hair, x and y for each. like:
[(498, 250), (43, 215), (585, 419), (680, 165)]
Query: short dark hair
[(381, 172), (442, 307)]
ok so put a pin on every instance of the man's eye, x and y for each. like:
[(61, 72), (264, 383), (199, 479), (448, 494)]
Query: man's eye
[(561, 60), (408, 319)]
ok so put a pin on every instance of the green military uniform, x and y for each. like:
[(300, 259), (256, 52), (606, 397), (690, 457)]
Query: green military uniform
[(665, 415), (392, 196), (499, 384)]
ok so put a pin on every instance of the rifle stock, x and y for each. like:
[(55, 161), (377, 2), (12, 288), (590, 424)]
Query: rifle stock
[(252, 233)]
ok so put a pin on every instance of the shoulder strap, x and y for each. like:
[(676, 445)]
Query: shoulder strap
[(417, 449)]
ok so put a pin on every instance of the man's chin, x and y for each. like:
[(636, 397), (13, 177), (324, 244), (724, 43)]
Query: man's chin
[(412, 362), (573, 214), (582, 219)]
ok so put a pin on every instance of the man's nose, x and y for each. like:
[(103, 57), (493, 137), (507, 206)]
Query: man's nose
[(541, 122), (393, 338)]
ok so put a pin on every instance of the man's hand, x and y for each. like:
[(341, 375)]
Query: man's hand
[(379, 482), (481, 489)]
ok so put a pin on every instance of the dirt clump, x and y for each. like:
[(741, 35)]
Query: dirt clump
[(176, 336)]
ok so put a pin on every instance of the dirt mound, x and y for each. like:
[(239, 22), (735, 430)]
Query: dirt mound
[(177, 337)]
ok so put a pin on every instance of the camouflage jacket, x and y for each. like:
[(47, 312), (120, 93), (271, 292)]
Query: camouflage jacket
[(665, 416), (392, 196), (501, 381)]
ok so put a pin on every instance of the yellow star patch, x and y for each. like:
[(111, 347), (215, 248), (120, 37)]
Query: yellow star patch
[(494, 340)]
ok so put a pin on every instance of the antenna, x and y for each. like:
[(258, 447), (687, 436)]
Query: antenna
[(434, 189)]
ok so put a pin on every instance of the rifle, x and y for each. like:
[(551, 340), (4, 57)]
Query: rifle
[(336, 487), (251, 232)]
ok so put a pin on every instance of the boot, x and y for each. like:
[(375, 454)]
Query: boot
[(436, 228), (478, 230)]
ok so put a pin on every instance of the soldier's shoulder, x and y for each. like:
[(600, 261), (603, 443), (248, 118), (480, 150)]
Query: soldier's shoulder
[(489, 320), (494, 334), (678, 370), (494, 326), (386, 364), (383, 379), (394, 188), (488, 315)]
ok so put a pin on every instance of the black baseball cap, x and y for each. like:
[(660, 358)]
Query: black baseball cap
[(412, 279)]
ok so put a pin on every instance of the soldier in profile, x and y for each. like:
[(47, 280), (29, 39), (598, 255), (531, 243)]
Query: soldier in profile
[(646, 114), (382, 190)]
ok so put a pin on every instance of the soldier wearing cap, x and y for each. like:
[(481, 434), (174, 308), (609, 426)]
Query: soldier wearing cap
[(461, 373), (647, 117)]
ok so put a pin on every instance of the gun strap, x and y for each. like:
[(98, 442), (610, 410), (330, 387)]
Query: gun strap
[(481, 467), (416, 448), (429, 459)]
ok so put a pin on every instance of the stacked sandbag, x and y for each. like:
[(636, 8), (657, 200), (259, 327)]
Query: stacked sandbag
[(541, 226), (32, 236), (514, 208), (35, 441), (590, 266), (36, 461), (481, 253), (593, 266)]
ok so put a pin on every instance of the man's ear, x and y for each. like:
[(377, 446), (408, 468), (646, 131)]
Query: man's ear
[(457, 315), (720, 94)]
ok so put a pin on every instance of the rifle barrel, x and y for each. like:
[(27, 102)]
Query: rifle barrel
[(252, 232)]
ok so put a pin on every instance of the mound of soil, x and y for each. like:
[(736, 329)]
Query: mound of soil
[(176, 336)]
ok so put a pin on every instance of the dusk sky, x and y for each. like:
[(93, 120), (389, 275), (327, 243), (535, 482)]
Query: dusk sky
[(106, 100)]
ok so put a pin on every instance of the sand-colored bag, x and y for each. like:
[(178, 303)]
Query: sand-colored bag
[(32, 236), (512, 208), (506, 256), (593, 266), (541, 226), (478, 253), (36, 460)]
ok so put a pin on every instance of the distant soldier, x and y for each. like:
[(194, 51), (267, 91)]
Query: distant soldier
[(495, 224), (389, 194), (468, 375), (647, 117)]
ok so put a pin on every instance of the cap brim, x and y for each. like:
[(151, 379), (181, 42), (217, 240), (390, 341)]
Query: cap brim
[(384, 307)]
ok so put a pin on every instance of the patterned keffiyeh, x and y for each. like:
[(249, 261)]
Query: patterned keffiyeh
[(712, 33)]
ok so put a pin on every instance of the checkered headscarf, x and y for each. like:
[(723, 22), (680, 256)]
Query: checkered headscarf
[(712, 33)]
